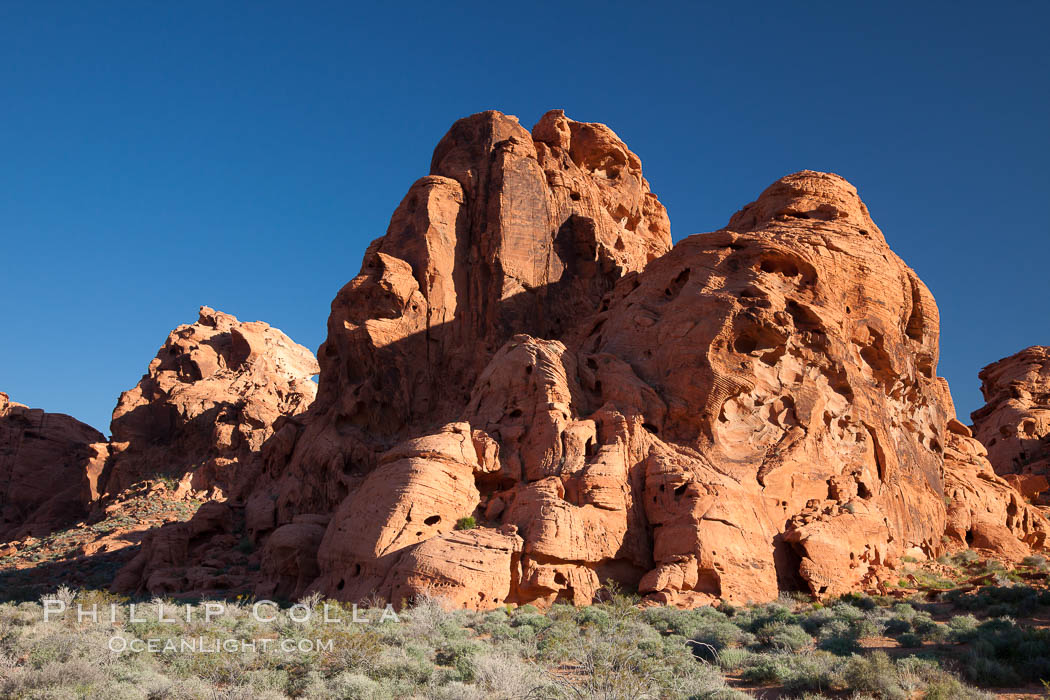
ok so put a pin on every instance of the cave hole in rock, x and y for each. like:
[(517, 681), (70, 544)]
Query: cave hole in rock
[(745, 345), (681, 489), (880, 455), (844, 390), (339, 586), (566, 595), (515, 413), (969, 537), (559, 578), (788, 565), (677, 283), (779, 266), (769, 345), (432, 520), (574, 196), (651, 428)]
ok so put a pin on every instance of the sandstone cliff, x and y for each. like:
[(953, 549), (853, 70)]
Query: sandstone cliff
[(755, 410), (1014, 424)]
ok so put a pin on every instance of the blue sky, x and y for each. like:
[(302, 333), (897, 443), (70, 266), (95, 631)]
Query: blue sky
[(159, 156)]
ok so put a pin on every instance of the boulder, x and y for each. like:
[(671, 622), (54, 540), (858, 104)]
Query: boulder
[(49, 468)]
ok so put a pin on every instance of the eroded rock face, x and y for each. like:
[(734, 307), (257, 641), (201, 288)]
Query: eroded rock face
[(208, 401), (755, 410), (49, 466), (800, 430), (985, 511), (1014, 423), (511, 233)]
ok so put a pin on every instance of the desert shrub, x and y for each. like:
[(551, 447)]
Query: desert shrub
[(505, 675), (927, 628), (962, 627), (719, 633), (763, 615), (896, 626), (354, 649), (859, 600), (466, 523), (816, 672), (536, 621), (459, 657), (948, 687), (991, 672), (909, 640), (915, 674), (353, 686), (702, 683), (733, 658), (1034, 562), (411, 663), (1002, 653), (875, 674), (838, 637), (595, 616), (766, 668), (783, 636), (966, 556), (688, 623)]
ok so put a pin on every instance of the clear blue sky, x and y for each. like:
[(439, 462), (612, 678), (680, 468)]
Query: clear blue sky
[(159, 156)]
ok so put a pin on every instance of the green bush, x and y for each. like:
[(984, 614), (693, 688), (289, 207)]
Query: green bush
[(783, 636), (875, 674), (466, 523), (909, 640), (1034, 562)]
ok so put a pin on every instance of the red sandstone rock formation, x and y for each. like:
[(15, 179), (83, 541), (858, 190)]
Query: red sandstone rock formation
[(754, 410), (1014, 423), (209, 400), (49, 466), (986, 511)]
